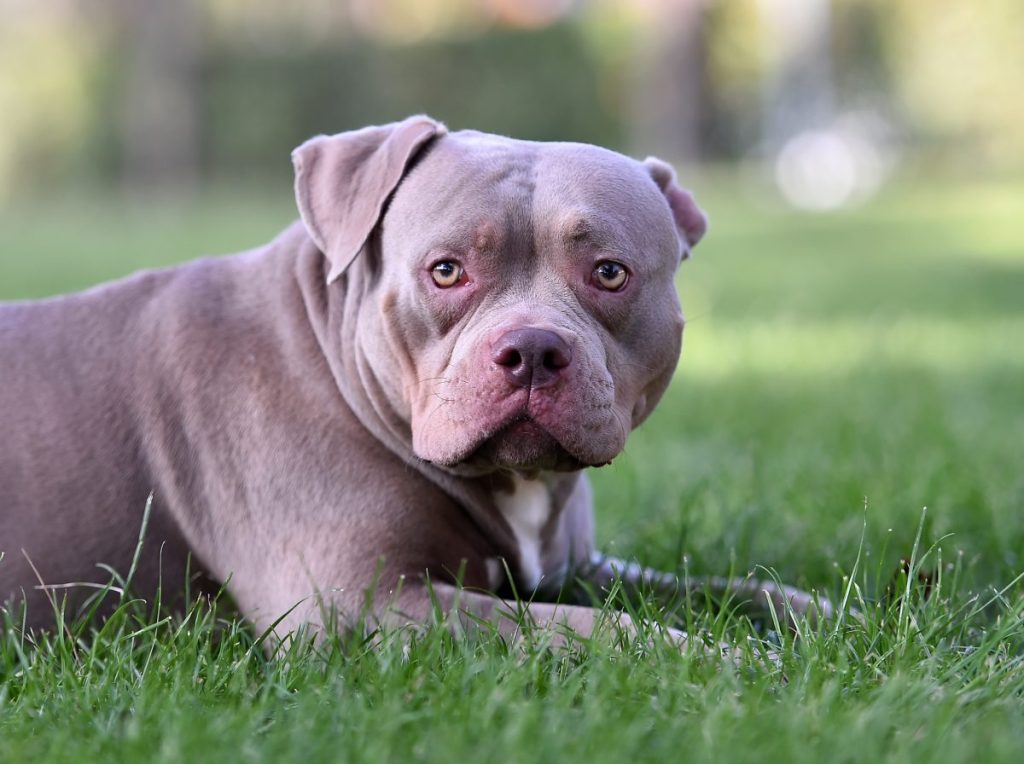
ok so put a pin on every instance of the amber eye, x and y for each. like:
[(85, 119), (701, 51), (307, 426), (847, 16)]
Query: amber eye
[(610, 275), (446, 273)]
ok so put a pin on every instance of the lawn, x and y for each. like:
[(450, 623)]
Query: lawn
[(841, 373)]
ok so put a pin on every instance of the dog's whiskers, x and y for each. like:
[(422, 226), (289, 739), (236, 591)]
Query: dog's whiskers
[(442, 380)]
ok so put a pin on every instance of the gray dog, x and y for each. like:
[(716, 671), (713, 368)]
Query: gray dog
[(392, 402)]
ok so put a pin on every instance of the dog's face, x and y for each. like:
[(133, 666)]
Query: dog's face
[(527, 293)]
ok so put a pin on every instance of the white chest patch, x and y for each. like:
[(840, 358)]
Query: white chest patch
[(526, 510)]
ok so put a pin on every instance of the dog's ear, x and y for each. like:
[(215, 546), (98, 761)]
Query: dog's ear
[(690, 219), (342, 182)]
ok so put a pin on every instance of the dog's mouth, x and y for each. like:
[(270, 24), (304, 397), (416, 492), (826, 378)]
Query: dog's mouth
[(523, 445)]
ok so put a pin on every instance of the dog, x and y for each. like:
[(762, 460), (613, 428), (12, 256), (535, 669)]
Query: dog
[(392, 402)]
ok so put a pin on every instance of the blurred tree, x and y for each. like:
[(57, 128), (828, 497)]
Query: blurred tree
[(670, 103), (960, 74), (158, 110), (736, 61), (798, 92), (44, 93)]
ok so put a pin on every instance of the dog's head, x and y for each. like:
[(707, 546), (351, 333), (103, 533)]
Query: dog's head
[(524, 295)]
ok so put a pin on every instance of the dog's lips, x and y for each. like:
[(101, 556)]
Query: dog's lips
[(521, 430), (521, 443), (524, 433)]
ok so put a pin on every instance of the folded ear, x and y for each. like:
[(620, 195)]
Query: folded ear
[(342, 182), (690, 219)]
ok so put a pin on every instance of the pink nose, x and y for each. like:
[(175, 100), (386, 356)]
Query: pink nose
[(531, 357)]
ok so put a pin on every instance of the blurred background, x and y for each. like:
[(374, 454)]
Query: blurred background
[(833, 94), (855, 348)]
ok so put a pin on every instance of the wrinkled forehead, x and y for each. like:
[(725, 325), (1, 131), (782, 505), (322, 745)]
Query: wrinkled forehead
[(548, 190)]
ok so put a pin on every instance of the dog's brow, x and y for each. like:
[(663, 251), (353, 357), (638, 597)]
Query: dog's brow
[(579, 230), (587, 233), (485, 236)]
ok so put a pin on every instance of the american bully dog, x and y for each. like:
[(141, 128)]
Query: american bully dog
[(392, 402)]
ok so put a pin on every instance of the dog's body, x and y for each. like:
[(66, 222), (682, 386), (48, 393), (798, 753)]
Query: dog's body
[(314, 425)]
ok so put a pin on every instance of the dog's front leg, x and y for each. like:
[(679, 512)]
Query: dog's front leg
[(755, 598), (559, 624)]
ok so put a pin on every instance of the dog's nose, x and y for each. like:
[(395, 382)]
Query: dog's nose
[(531, 357)]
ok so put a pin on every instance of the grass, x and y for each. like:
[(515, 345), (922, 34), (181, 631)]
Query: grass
[(841, 373)]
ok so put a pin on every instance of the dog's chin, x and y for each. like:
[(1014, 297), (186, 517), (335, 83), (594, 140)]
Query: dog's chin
[(525, 447)]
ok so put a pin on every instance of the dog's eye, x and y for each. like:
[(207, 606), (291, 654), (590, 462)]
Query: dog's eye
[(446, 273), (610, 275)]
